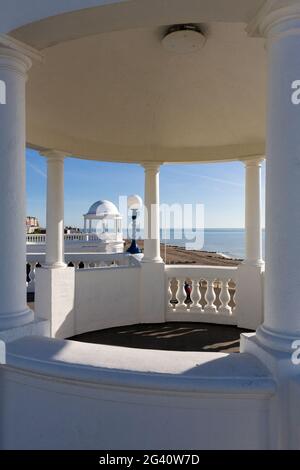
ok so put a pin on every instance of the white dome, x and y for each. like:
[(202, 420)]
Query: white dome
[(103, 209)]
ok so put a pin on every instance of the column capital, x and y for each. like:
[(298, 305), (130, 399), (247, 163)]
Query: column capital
[(154, 166), (17, 55), (276, 17), (54, 155), (255, 161), (14, 60)]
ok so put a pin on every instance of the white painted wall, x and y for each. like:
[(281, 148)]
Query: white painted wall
[(77, 301), (54, 299), (152, 293), (106, 297), (250, 296), (86, 396)]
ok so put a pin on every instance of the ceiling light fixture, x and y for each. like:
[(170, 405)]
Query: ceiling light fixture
[(183, 38)]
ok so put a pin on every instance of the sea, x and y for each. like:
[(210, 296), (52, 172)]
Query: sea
[(228, 242)]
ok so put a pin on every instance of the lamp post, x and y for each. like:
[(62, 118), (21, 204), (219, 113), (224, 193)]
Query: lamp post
[(134, 203)]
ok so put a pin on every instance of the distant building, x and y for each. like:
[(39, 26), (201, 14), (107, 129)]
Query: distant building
[(32, 224)]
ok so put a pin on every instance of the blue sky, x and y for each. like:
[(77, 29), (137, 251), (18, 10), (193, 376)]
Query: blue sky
[(220, 187)]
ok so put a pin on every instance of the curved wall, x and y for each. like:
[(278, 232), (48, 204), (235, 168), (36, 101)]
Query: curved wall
[(105, 298), (81, 300), (85, 396)]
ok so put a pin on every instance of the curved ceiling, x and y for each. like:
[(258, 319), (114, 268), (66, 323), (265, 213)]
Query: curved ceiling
[(118, 95), (117, 15)]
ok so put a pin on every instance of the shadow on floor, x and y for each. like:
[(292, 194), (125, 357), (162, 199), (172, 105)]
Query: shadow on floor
[(177, 336)]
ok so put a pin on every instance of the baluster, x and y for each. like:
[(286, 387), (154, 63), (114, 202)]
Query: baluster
[(171, 305), (225, 299), (233, 298), (195, 295), (210, 298), (181, 294), (28, 269), (31, 278)]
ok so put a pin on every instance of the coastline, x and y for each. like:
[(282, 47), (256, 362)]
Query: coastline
[(173, 254)]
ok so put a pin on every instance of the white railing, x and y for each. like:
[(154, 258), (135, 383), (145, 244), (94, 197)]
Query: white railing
[(34, 238), (81, 237), (201, 293), (41, 238), (78, 261)]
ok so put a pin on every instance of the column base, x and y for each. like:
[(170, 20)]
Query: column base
[(14, 320), (256, 263), (55, 265), (273, 352), (152, 260), (38, 327), (276, 341)]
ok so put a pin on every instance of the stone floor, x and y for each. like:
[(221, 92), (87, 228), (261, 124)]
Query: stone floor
[(169, 336)]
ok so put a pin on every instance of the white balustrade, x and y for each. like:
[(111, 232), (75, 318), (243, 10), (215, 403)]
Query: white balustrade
[(36, 238), (79, 261), (41, 238), (201, 293)]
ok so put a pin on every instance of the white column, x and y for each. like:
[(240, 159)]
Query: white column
[(151, 224), (282, 279), (55, 210), (13, 307), (249, 295), (90, 226), (85, 230), (253, 230), (152, 290)]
